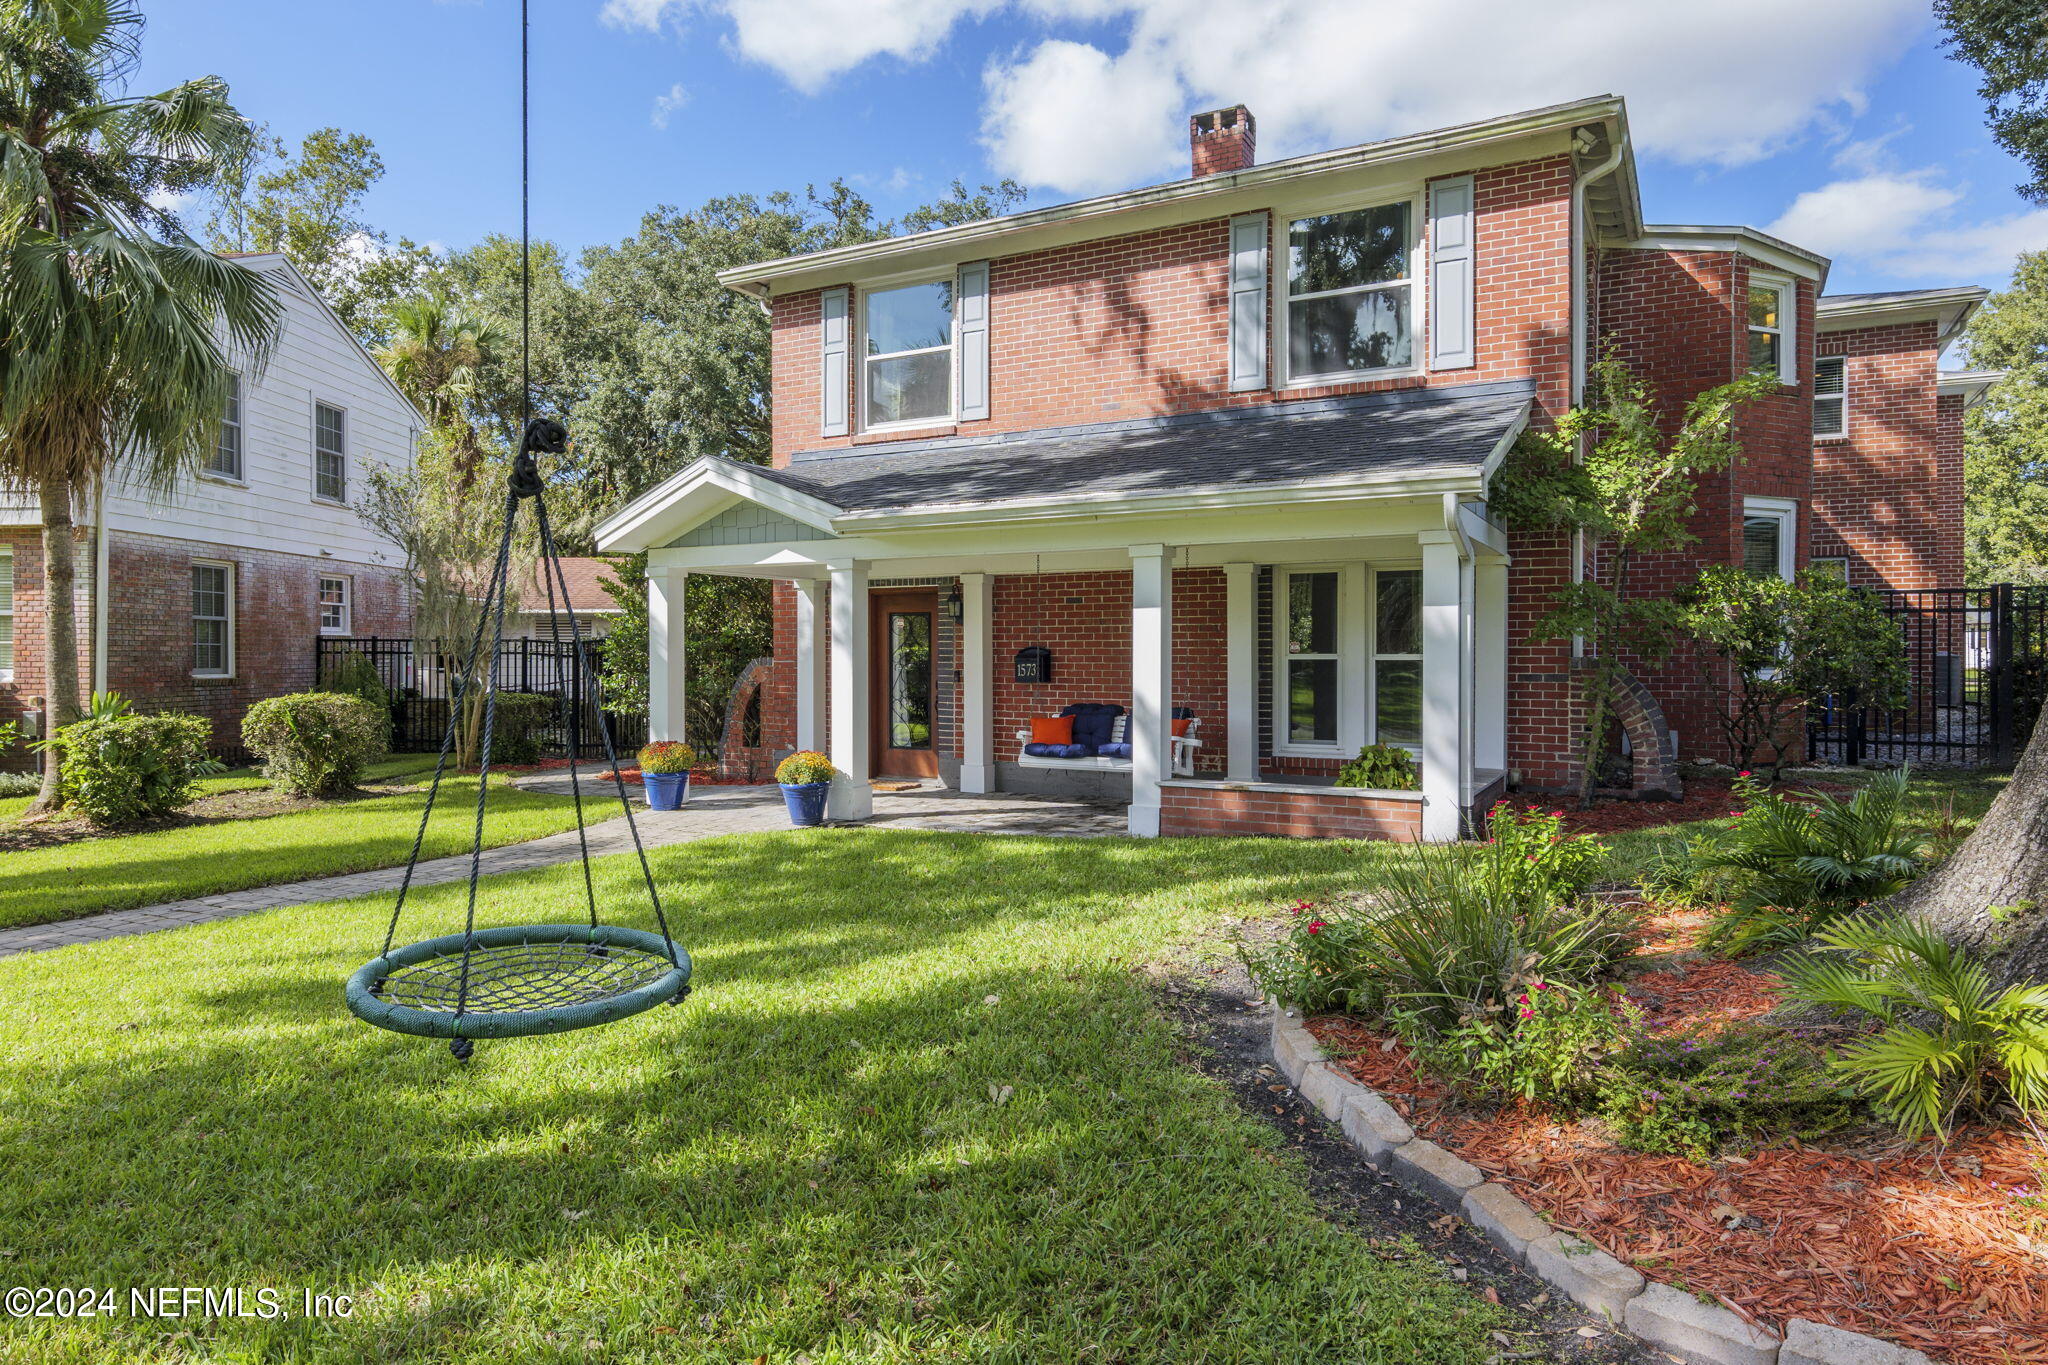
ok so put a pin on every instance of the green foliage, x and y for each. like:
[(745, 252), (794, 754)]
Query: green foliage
[(803, 768), (1633, 492), (667, 756), (1787, 643), (1383, 767), (19, 784), (121, 769), (515, 734), (2005, 477), (1550, 1046), (1692, 1091), (315, 743), (1806, 861), (1949, 1043), (727, 624), (2007, 41), (108, 706), (354, 675), (1528, 860)]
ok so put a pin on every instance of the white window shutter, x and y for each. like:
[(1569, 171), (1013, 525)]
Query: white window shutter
[(1247, 302), (970, 339), (832, 361), (1451, 341)]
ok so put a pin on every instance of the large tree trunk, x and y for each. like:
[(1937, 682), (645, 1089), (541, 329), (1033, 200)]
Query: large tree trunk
[(1991, 894), (60, 633)]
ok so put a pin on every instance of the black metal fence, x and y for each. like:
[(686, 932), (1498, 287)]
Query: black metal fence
[(1978, 660), (417, 675)]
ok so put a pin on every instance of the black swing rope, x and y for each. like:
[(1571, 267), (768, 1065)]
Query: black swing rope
[(526, 976)]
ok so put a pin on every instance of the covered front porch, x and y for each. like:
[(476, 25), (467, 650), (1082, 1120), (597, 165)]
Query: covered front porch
[(1279, 626)]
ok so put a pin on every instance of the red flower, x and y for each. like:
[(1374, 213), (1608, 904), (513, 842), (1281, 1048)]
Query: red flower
[(1528, 1014), (1315, 926), (1557, 815), (1743, 773), (1538, 985)]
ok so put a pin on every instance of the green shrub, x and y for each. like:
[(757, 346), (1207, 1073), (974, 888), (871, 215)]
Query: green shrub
[(20, 784), (1950, 1043), (1321, 962), (315, 743), (515, 734), (1528, 859), (1549, 1047), (1384, 767), (1693, 1091), (1803, 862), (126, 768), (354, 675)]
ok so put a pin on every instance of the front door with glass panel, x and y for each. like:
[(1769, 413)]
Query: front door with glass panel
[(902, 684)]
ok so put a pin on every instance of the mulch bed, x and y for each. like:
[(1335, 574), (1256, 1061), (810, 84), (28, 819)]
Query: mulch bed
[(1929, 1247), (255, 803), (1705, 799)]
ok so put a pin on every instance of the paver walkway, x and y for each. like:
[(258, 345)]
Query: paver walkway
[(710, 812)]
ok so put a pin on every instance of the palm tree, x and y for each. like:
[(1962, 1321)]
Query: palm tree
[(437, 354), (115, 328)]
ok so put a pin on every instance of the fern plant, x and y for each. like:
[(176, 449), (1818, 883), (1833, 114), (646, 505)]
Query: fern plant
[(1950, 1043), (1802, 863)]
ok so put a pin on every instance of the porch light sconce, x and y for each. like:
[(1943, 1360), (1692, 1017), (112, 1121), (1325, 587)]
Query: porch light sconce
[(956, 606)]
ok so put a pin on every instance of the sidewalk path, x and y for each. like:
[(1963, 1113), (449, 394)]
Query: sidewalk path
[(709, 813)]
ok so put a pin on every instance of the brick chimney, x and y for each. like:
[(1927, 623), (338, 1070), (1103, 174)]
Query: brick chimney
[(1222, 140)]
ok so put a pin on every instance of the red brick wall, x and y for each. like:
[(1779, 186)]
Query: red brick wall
[(29, 683), (1294, 815), (149, 631), (1889, 496), (1137, 325)]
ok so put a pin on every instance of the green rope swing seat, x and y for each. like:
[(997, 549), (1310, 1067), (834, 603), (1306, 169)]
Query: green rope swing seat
[(521, 980)]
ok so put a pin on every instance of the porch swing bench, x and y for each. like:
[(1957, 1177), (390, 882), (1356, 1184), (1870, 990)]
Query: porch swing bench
[(1102, 741)]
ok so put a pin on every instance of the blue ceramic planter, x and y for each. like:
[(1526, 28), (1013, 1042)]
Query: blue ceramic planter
[(666, 791), (806, 802)]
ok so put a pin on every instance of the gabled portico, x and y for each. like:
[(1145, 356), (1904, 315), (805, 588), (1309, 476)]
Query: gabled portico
[(1350, 497)]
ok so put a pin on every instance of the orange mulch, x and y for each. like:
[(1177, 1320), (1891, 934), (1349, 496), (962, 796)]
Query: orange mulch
[(1704, 800), (1937, 1249)]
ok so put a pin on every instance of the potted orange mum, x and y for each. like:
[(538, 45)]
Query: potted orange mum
[(806, 777), (665, 773)]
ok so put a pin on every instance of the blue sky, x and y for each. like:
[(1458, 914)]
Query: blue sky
[(1835, 122)]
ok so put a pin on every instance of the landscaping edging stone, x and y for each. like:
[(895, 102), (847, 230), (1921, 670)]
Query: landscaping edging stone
[(1670, 1319)]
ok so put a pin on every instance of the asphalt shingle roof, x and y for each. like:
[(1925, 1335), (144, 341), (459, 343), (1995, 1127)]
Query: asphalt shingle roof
[(1440, 431)]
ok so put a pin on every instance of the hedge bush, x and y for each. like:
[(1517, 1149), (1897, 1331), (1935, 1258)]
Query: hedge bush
[(315, 743), (515, 736), (121, 769)]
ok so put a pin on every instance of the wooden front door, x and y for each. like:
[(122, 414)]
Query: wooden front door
[(901, 684)]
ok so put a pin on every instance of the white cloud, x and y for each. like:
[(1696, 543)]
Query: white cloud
[(1902, 226), (171, 201), (666, 105), (1083, 116)]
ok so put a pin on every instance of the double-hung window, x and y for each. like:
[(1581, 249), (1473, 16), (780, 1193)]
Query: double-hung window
[(335, 590), (1348, 664), (1770, 328), (6, 615), (213, 619), (1312, 656), (1397, 657), (330, 453), (1769, 527), (907, 355), (1350, 298), (226, 460), (1830, 396)]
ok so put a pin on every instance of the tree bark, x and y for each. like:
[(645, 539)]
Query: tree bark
[(1991, 894), (60, 633)]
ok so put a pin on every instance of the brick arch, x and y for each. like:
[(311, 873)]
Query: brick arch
[(737, 758), (1655, 768)]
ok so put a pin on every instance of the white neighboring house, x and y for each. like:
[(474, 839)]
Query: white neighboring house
[(213, 597)]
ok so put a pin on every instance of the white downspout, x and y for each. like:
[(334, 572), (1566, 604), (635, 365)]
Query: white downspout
[(1581, 340), (100, 592)]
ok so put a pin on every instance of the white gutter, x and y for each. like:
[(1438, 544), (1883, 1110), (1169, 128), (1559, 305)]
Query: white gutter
[(101, 595), (1581, 337)]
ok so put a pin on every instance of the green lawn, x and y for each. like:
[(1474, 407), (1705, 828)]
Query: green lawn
[(921, 1107), (120, 871)]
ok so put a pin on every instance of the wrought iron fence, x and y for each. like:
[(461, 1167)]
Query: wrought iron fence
[(1978, 661), (417, 676)]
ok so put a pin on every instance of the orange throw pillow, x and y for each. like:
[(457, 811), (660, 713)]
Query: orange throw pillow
[(1180, 725), (1052, 729)]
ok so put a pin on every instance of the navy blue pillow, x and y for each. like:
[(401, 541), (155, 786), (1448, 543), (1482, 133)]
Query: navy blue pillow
[(1093, 722), (1115, 751)]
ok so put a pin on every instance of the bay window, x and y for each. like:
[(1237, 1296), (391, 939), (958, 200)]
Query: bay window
[(1347, 668), (907, 355), (1349, 306)]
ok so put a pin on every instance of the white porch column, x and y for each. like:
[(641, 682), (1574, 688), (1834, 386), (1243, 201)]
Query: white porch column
[(1151, 682), (851, 798), (1442, 762), (811, 646), (977, 684), (1241, 671), (1490, 664), (665, 709)]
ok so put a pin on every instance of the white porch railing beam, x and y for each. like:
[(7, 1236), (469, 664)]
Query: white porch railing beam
[(1241, 671), (812, 645), (666, 713), (851, 798), (977, 684), (1442, 687), (1151, 683)]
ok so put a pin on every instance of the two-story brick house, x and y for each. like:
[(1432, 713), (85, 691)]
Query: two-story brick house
[(1216, 453), (212, 597)]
